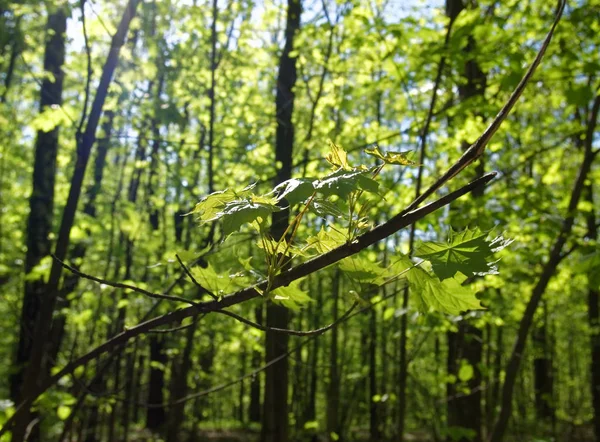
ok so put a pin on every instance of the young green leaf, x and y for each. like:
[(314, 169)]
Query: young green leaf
[(238, 213), (362, 270), (399, 158), (337, 157), (291, 296), (447, 296), (468, 252), (342, 183), (296, 190), (326, 240)]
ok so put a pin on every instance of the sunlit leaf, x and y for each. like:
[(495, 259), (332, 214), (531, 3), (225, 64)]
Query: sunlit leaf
[(238, 213), (337, 157), (212, 204), (399, 158), (342, 183), (362, 270), (468, 252), (447, 296), (327, 240), (295, 191), (63, 412), (291, 296)]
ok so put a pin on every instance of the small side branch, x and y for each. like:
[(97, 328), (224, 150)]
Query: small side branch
[(121, 285), (196, 283), (286, 331)]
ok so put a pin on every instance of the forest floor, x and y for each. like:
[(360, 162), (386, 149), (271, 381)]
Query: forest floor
[(571, 433)]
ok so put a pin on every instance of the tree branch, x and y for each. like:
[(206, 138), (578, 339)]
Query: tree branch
[(120, 285), (286, 331), (478, 147)]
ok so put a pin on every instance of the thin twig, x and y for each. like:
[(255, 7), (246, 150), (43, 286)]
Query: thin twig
[(88, 80), (286, 331), (121, 285), (196, 283), (176, 329)]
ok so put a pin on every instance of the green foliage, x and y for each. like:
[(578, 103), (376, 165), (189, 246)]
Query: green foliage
[(291, 296), (446, 296), (468, 252), (400, 158)]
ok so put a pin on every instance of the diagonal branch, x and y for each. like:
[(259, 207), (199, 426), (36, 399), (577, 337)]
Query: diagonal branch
[(316, 332), (196, 283), (121, 285), (477, 148)]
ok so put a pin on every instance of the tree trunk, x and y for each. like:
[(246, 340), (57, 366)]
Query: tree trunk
[(155, 415), (35, 370), (41, 204), (275, 426), (594, 320), (466, 346), (464, 410), (548, 271), (374, 432), (542, 373), (333, 387), (179, 387), (254, 407)]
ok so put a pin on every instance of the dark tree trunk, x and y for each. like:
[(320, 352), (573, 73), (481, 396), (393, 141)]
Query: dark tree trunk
[(333, 386), (179, 387), (310, 412), (15, 49), (594, 320), (41, 204), (374, 430), (79, 250), (275, 426), (464, 410), (542, 372), (254, 407), (35, 370), (155, 414), (548, 270)]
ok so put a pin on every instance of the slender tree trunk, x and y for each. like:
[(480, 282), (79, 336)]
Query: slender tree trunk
[(254, 406), (466, 346), (15, 50), (310, 412), (179, 387), (35, 370), (464, 410), (594, 319), (155, 414), (374, 430), (275, 425), (41, 204), (548, 271), (80, 249), (542, 372), (333, 386), (211, 94)]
